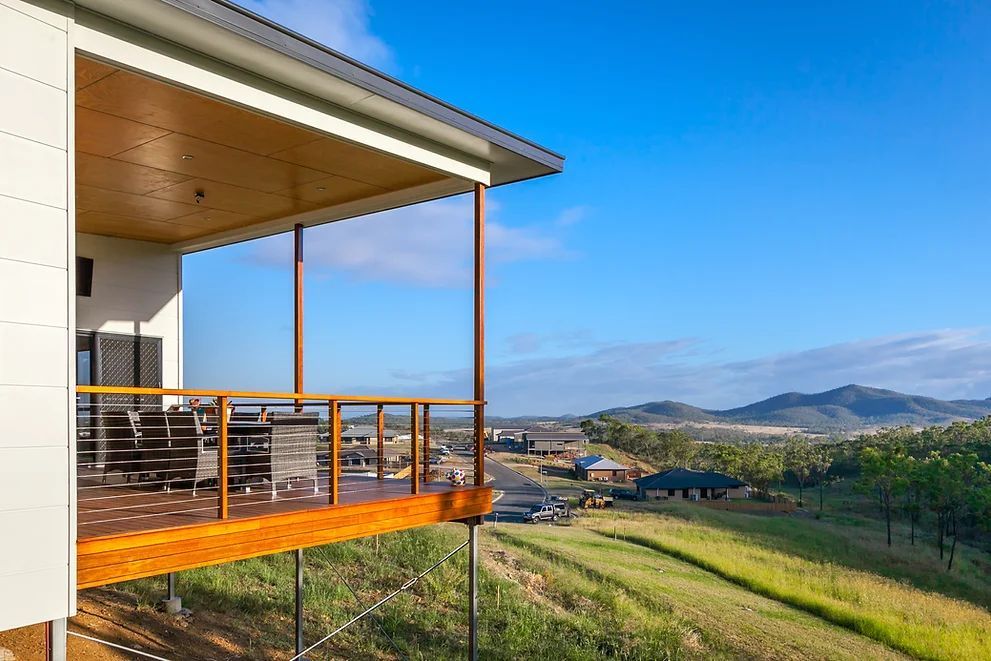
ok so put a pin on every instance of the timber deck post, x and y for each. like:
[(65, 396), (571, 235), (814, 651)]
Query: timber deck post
[(334, 454), (426, 443), (414, 447), (380, 440), (298, 312), (479, 335)]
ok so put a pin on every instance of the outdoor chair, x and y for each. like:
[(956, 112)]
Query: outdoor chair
[(155, 454), (292, 449), (190, 459), (120, 444)]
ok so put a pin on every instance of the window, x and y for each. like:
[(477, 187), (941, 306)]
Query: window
[(671, 493)]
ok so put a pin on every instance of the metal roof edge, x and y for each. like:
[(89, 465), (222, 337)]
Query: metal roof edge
[(237, 19)]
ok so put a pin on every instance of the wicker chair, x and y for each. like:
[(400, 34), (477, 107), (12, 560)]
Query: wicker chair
[(190, 459), (155, 454), (293, 449), (120, 443)]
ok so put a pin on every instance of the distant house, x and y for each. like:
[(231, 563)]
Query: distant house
[(364, 457), (686, 484), (596, 468), (554, 442), (366, 435), (507, 435)]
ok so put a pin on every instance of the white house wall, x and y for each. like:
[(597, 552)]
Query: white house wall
[(37, 507), (137, 290)]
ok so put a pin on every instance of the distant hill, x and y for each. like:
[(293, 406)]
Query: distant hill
[(842, 409)]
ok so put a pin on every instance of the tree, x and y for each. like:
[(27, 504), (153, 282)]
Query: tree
[(956, 485), (881, 469), (821, 460), (760, 466), (798, 459), (915, 491)]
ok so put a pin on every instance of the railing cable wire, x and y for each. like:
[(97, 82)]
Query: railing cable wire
[(410, 583), (120, 647)]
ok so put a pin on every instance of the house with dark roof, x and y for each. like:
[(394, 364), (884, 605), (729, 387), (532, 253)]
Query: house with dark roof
[(545, 443), (366, 435), (596, 468), (687, 484)]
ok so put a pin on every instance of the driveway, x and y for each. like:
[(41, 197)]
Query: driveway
[(520, 493)]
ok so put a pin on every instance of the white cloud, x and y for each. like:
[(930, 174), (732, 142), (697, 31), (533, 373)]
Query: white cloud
[(572, 216), (425, 245), (950, 364), (342, 25)]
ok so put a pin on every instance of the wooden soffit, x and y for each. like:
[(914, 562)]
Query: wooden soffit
[(160, 163)]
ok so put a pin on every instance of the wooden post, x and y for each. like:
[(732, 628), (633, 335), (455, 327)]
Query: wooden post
[(380, 426), (298, 312), (334, 456), (480, 334), (414, 456), (222, 455), (426, 443)]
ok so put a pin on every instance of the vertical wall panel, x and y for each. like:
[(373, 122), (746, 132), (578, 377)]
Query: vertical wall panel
[(36, 508)]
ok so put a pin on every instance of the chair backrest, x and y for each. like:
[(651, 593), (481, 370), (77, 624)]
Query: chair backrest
[(184, 438), (119, 439), (246, 417), (154, 452), (297, 429)]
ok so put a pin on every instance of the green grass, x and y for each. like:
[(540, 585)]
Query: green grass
[(854, 542), (739, 548), (678, 582), (523, 617), (707, 616)]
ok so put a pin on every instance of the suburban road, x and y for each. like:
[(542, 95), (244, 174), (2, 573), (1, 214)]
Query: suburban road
[(520, 493)]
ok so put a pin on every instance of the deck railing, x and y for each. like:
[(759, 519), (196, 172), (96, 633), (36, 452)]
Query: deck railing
[(150, 458)]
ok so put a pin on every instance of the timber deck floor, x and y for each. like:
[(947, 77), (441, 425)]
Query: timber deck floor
[(118, 507)]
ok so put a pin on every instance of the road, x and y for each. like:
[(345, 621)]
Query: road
[(520, 493)]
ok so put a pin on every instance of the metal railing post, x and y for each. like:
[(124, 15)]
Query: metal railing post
[(414, 424), (426, 443), (334, 456), (380, 425), (222, 456)]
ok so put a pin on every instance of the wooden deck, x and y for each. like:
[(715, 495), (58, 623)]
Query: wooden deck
[(138, 531)]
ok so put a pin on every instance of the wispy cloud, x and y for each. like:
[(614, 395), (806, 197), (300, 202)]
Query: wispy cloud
[(952, 364), (424, 245), (342, 25)]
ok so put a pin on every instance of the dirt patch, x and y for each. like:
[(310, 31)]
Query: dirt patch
[(116, 617)]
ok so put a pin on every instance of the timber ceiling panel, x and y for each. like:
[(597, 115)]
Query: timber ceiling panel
[(146, 149)]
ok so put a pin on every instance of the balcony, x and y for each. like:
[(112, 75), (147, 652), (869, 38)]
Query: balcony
[(166, 482)]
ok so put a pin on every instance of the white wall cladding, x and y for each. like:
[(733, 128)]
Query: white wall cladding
[(37, 509), (137, 291)]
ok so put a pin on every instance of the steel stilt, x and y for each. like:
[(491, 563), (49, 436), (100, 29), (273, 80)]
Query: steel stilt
[(299, 601), (473, 592)]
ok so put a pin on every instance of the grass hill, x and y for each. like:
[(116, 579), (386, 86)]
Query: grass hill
[(846, 408)]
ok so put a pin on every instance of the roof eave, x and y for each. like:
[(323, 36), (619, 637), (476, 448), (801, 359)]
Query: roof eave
[(249, 26)]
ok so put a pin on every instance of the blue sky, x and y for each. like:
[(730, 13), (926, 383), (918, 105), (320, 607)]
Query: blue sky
[(757, 198)]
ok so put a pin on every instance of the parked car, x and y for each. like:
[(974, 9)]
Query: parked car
[(542, 512), (623, 494)]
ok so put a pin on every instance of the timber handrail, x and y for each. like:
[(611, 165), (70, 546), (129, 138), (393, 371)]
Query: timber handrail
[(119, 459), (206, 392)]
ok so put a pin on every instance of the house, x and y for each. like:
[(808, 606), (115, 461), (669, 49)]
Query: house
[(134, 132), (507, 435), (545, 443), (596, 468), (687, 484), (365, 457), (366, 435)]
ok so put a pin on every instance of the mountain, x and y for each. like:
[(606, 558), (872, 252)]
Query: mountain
[(841, 409)]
